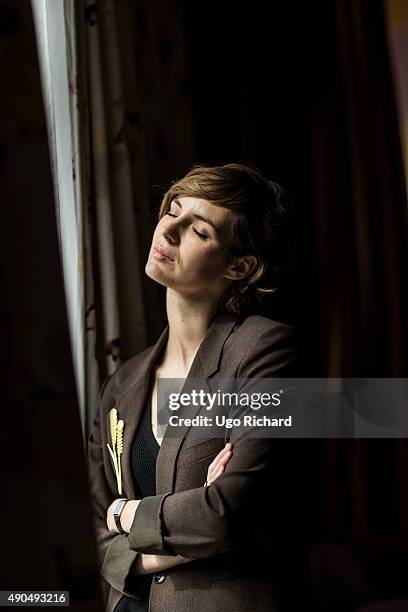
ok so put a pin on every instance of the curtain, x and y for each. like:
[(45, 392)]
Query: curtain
[(397, 12), (54, 45), (45, 483), (359, 199), (360, 218), (115, 308), (99, 243)]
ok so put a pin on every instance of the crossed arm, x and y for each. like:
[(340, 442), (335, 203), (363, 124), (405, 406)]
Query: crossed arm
[(147, 564)]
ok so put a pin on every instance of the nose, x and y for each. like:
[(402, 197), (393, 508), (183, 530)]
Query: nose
[(170, 237), (171, 233)]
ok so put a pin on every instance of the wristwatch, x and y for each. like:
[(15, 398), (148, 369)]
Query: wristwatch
[(117, 511)]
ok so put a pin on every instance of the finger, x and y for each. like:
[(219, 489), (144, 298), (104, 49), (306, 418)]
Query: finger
[(217, 469), (211, 473), (226, 448), (222, 454), (218, 473), (213, 463), (224, 459)]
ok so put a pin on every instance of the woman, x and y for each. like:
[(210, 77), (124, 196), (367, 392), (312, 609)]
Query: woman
[(221, 242)]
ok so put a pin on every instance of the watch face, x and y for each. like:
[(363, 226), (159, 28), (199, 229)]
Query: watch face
[(118, 506)]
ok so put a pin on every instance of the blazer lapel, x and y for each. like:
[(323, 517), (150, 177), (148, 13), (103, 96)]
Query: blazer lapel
[(132, 394), (205, 363)]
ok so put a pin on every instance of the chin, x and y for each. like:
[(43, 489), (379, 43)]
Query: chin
[(153, 272)]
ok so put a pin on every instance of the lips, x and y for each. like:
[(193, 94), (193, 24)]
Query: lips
[(163, 253)]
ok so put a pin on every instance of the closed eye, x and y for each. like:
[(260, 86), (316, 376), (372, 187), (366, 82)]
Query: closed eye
[(203, 236)]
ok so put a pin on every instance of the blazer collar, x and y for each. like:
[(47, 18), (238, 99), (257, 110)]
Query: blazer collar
[(205, 363), (209, 353)]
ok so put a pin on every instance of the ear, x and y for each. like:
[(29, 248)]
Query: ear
[(240, 267)]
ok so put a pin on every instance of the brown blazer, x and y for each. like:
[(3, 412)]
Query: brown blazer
[(245, 542)]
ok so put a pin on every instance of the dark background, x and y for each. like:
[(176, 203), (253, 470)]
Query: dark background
[(304, 92)]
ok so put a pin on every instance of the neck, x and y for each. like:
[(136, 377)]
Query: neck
[(189, 319)]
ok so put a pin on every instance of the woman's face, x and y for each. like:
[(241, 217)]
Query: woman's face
[(189, 250)]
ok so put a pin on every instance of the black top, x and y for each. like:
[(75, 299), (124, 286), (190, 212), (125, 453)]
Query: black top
[(145, 449)]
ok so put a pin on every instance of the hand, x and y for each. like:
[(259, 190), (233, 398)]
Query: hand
[(217, 466), (126, 518)]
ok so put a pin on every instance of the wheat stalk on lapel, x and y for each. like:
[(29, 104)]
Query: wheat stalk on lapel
[(119, 447), (116, 431)]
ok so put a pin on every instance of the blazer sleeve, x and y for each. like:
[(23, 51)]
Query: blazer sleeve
[(115, 558), (205, 521)]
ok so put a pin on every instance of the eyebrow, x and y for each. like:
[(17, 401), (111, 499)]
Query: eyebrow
[(202, 217)]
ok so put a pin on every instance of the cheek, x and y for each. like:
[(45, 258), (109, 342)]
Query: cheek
[(204, 259)]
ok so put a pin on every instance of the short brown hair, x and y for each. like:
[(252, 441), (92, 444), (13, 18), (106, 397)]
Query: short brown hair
[(261, 225)]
